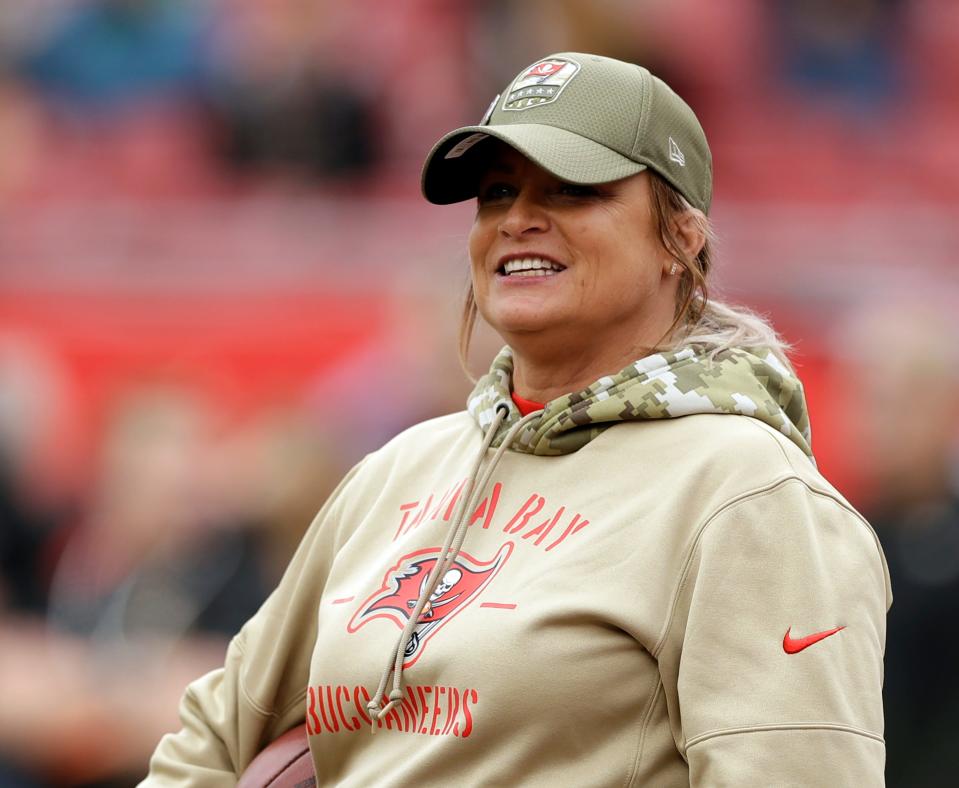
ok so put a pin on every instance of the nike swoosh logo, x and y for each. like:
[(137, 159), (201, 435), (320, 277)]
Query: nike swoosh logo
[(793, 645)]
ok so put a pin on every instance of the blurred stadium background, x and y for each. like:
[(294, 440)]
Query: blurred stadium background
[(219, 288)]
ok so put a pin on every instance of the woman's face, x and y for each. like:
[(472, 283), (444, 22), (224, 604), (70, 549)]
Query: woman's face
[(568, 265)]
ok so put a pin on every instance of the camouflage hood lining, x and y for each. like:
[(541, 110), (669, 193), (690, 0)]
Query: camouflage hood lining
[(738, 381)]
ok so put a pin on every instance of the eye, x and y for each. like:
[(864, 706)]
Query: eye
[(578, 190), (496, 191)]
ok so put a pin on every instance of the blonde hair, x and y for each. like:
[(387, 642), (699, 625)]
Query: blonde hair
[(707, 325)]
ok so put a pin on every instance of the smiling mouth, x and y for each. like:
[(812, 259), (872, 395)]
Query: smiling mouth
[(530, 267)]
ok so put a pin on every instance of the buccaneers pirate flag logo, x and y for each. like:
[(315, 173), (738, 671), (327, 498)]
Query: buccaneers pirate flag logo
[(539, 84), (402, 583)]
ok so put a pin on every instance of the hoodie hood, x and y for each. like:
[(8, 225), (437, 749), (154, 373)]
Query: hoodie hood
[(743, 382)]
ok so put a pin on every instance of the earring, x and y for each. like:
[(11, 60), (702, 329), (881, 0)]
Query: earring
[(674, 269)]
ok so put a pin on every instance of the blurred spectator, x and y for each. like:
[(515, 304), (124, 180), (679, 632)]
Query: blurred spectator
[(905, 434), (107, 54), (22, 533), (278, 101), (146, 589), (309, 127), (275, 472), (30, 408), (340, 86), (844, 52), (152, 554)]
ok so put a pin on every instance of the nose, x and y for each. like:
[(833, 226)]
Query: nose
[(525, 215)]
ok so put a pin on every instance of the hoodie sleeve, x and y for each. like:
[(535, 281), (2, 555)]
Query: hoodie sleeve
[(772, 661), (230, 714)]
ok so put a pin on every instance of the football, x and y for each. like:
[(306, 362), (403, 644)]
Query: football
[(285, 763)]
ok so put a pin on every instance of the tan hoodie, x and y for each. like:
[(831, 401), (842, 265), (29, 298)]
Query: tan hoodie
[(640, 599)]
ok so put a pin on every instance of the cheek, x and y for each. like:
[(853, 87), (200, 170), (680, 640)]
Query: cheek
[(623, 275), (617, 259), (478, 245)]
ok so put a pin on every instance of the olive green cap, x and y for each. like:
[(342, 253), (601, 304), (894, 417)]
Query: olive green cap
[(586, 119)]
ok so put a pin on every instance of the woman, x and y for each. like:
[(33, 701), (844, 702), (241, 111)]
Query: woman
[(619, 565)]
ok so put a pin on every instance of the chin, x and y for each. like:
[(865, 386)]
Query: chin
[(515, 315), (520, 326)]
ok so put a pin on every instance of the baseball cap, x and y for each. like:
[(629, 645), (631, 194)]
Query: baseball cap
[(585, 119)]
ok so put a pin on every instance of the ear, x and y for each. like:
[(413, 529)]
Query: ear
[(689, 230)]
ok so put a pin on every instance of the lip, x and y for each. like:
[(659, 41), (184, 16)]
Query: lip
[(523, 256)]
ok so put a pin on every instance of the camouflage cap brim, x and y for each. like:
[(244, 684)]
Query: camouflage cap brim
[(453, 167)]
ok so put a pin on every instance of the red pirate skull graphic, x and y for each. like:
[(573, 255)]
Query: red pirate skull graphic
[(404, 581)]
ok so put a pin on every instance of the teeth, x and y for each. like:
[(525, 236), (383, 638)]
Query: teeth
[(528, 266)]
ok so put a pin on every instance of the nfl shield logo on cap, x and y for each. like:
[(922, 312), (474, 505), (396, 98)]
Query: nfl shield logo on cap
[(539, 84)]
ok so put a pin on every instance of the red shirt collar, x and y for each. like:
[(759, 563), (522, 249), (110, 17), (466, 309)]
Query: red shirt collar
[(526, 406)]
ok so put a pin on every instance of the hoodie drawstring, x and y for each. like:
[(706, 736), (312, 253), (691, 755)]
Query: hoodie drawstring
[(448, 553)]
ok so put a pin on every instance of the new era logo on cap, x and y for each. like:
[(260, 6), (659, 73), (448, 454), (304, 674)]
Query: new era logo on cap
[(675, 154), (540, 84)]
